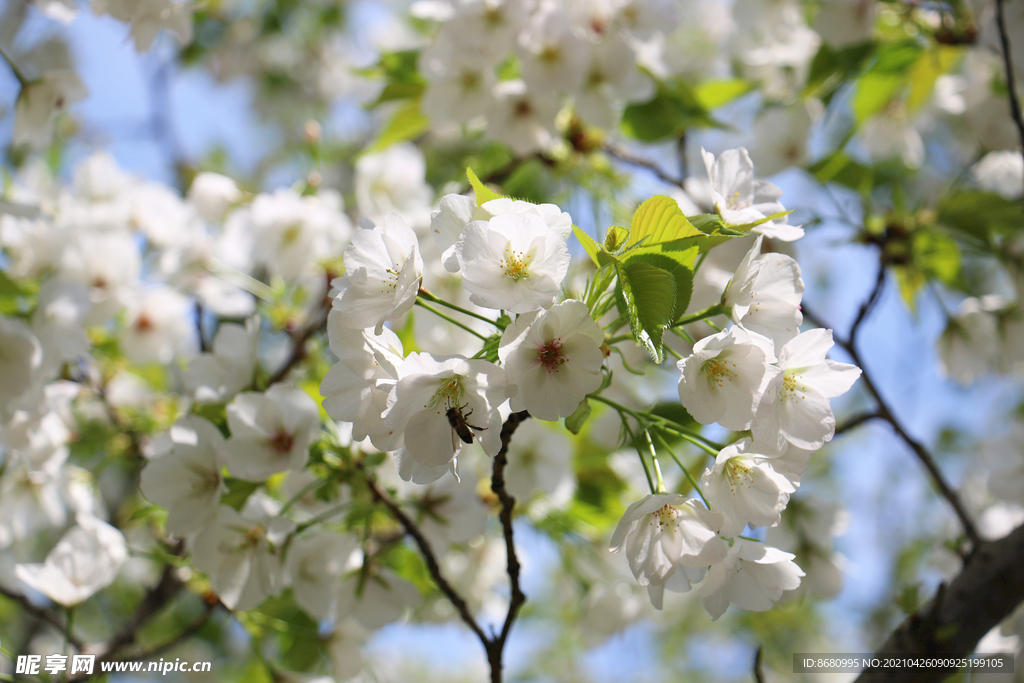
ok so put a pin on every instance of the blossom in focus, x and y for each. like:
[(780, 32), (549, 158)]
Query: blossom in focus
[(795, 406), (513, 262), (85, 560), (765, 293), (382, 278), (752, 576), (669, 540), (740, 199), (744, 489), (555, 356), (722, 381), (428, 388)]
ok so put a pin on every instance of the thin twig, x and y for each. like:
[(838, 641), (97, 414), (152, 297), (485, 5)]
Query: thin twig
[(869, 303), (44, 615), (497, 645), (916, 446), (856, 422), (18, 73), (633, 160), (317, 323), (1011, 84), (429, 557), (758, 672), (204, 344)]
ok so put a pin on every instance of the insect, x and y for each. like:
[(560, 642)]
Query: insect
[(460, 428)]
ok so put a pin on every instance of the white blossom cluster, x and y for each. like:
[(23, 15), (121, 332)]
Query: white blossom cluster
[(761, 375)]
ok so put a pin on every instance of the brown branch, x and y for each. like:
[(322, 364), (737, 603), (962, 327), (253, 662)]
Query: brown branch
[(869, 304), (496, 645), (628, 157), (855, 421), (885, 413), (758, 664), (44, 615), (317, 323), (428, 556), (1011, 83), (987, 590)]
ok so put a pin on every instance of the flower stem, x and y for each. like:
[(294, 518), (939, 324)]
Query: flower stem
[(22, 80), (686, 471), (709, 312), (437, 300), (453, 321), (636, 444), (657, 466), (707, 445)]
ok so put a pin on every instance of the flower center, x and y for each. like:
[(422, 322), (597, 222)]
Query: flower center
[(791, 391), (516, 264), (282, 442), (447, 394), (738, 474), (666, 517), (144, 324), (718, 371), (735, 202), (550, 355)]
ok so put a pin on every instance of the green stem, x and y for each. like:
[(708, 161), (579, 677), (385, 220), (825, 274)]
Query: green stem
[(668, 425), (680, 332), (686, 471), (636, 444), (430, 297), (453, 321), (298, 496), (673, 352), (22, 80), (657, 466), (323, 516), (709, 312)]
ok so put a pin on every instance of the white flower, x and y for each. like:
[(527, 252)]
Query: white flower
[(448, 511), (795, 405), (40, 101), (383, 272), (664, 534), (611, 77), (522, 119), (740, 199), (216, 377), (315, 563), (969, 346), (764, 295), (555, 356), (1000, 172), (31, 497), (540, 470), (148, 17), (187, 480), (378, 598), (753, 576), (270, 432), (513, 262), (160, 325), (20, 358), (85, 560), (553, 58), (239, 552), (459, 85), (292, 233), (432, 391), (393, 181), (356, 388), (212, 195), (723, 379), (58, 323), (745, 489), (456, 211), (781, 134)]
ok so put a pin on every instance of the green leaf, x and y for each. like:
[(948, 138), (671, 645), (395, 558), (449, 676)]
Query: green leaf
[(590, 246), (926, 70), (659, 220), (981, 214), (615, 238), (873, 93), (840, 168), (716, 92), (398, 91), (830, 68), (679, 263), (648, 295), (238, 492), (574, 423), (673, 109), (406, 123), (483, 193)]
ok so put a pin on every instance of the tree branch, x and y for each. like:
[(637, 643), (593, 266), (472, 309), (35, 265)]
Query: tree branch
[(317, 323), (496, 646), (916, 446), (986, 591), (628, 157), (428, 556), (1011, 83), (44, 615), (855, 421)]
